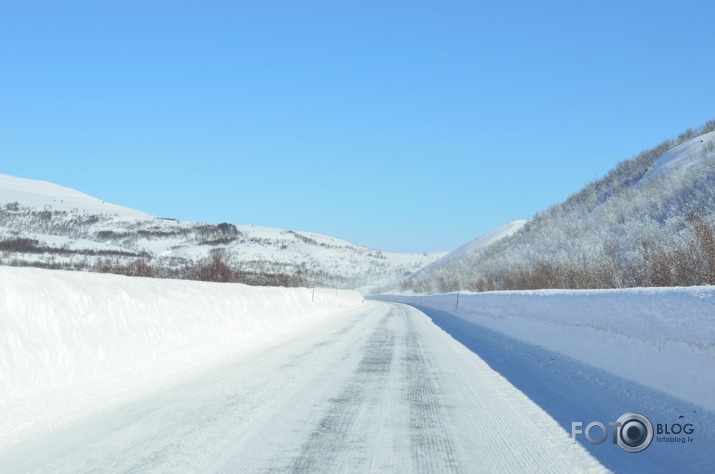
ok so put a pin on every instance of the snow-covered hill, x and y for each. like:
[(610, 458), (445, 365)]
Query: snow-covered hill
[(440, 270), (43, 224), (39, 194), (648, 222), (474, 245), (681, 158)]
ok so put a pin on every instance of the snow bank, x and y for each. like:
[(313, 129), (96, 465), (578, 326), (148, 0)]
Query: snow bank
[(660, 337), (64, 332)]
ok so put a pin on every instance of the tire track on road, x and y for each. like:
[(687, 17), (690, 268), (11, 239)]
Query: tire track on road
[(329, 441), (431, 445)]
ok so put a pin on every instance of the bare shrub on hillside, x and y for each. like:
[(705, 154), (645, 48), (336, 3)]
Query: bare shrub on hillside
[(215, 267), (19, 245), (658, 263), (136, 268), (694, 259)]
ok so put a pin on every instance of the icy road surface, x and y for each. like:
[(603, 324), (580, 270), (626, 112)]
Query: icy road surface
[(376, 389)]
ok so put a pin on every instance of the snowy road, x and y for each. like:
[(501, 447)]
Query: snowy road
[(376, 389)]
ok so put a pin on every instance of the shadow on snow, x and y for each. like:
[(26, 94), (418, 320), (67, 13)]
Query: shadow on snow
[(570, 391)]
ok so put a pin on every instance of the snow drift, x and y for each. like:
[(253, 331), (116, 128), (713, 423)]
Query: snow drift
[(663, 338), (70, 332)]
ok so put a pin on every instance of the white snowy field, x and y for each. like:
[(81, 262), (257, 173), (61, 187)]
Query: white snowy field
[(662, 338), (71, 342)]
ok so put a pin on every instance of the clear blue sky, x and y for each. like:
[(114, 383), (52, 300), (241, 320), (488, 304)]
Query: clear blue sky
[(400, 125)]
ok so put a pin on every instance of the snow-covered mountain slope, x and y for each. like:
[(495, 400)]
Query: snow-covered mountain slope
[(646, 223), (46, 225), (39, 194), (681, 158), (452, 261), (476, 244), (484, 240)]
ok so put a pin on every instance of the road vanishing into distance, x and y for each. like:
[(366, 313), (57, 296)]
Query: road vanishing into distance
[(381, 388)]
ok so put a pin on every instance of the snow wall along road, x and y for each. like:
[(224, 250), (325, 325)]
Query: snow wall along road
[(70, 336), (663, 338)]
